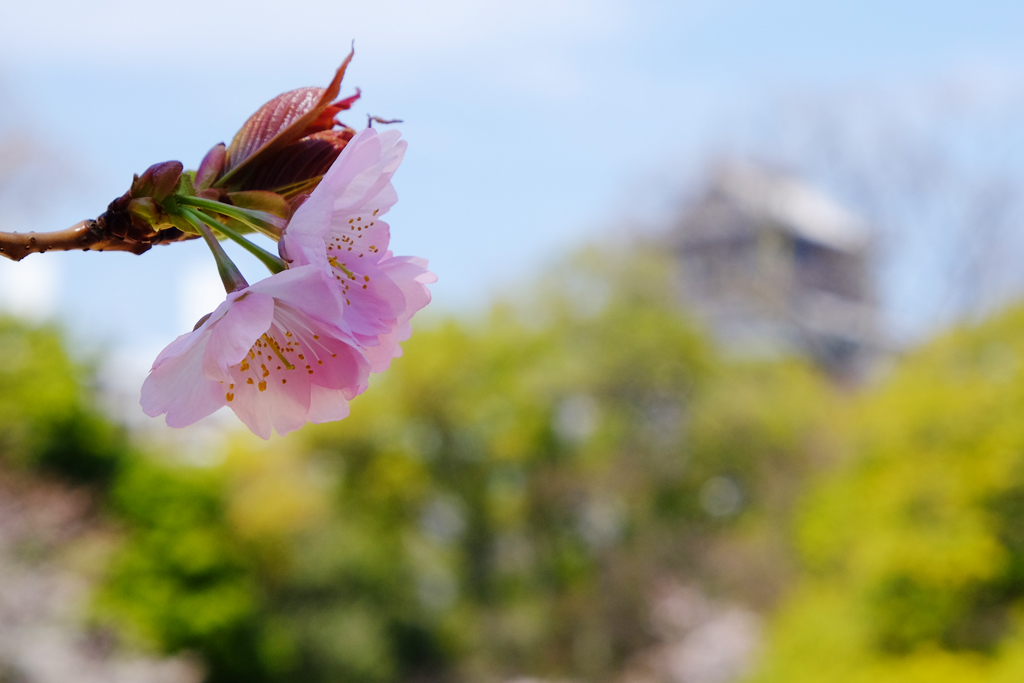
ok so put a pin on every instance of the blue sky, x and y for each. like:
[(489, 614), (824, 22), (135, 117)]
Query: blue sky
[(533, 125)]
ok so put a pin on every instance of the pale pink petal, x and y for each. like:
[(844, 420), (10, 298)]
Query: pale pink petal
[(176, 386), (327, 405), (330, 361), (357, 188), (302, 248), (372, 301), (362, 174), (410, 274), (305, 288), (184, 342), (357, 238), (347, 368), (233, 335), (283, 406), (387, 348)]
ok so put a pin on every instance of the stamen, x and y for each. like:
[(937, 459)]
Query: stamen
[(340, 266), (277, 351)]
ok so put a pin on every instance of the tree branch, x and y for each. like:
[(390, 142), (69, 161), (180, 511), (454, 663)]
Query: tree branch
[(86, 235)]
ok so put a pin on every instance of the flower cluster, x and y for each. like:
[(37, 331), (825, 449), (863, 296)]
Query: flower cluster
[(297, 346)]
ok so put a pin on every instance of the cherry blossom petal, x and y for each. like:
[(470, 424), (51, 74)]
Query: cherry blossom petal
[(186, 341), (283, 406), (266, 355), (327, 405), (410, 274), (176, 386), (387, 348), (356, 190), (308, 289), (248, 317)]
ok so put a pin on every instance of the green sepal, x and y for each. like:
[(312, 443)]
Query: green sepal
[(146, 209), (178, 222), (261, 200), (237, 225), (186, 186)]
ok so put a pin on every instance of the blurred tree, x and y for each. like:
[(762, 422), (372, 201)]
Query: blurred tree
[(914, 550), (48, 418), (503, 502)]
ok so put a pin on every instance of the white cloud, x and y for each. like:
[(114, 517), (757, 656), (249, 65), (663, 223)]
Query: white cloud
[(29, 288)]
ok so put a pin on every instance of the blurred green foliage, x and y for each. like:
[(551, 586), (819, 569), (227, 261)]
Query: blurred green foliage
[(48, 418), (504, 501), (501, 502), (914, 546)]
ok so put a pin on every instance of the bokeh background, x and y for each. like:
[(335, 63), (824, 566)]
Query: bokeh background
[(722, 381)]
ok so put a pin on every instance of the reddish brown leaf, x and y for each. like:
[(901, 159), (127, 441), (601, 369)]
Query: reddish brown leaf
[(287, 171), (283, 120), (326, 119)]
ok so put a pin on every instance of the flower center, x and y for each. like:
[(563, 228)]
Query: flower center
[(288, 344), (348, 279)]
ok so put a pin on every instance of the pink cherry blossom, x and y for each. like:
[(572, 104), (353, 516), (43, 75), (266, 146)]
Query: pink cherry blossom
[(339, 228), (270, 352)]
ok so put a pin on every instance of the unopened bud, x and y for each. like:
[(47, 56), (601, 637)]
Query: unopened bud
[(158, 181)]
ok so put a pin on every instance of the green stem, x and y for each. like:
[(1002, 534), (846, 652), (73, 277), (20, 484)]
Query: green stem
[(273, 263), (229, 273), (244, 215)]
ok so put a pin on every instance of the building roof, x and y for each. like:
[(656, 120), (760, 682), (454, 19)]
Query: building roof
[(792, 205)]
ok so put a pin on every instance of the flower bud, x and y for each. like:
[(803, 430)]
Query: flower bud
[(158, 181), (212, 166)]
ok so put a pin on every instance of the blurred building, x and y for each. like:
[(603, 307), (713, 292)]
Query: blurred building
[(774, 266)]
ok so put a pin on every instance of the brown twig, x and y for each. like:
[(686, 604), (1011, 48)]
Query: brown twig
[(86, 235), (113, 231)]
